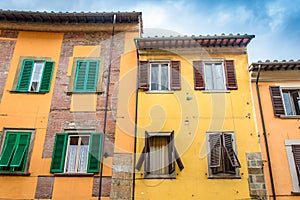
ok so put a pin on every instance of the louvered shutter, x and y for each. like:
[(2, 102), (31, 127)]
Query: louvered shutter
[(296, 154), (21, 150), (8, 149), (92, 76), (178, 160), (80, 77), (141, 159), (175, 75), (171, 153), (46, 77), (277, 100), (95, 153), (143, 75), (147, 147), (59, 153), (25, 76), (198, 75), (227, 143), (231, 82), (215, 150)]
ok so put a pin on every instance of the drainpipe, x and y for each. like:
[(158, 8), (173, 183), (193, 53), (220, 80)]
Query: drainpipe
[(106, 101), (265, 133), (135, 126)]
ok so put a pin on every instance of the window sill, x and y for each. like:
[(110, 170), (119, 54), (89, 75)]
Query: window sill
[(224, 176), (98, 93), (159, 92), (14, 173), (161, 176), (74, 174), (216, 91), (23, 92), (290, 116), (295, 193)]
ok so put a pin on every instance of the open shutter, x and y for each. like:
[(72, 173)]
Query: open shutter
[(92, 76), (198, 75), (147, 147), (59, 153), (25, 76), (143, 75), (21, 150), (215, 150), (8, 149), (80, 77), (47, 75), (227, 144), (141, 159), (178, 160), (171, 153), (296, 154), (277, 100), (95, 153), (231, 82), (175, 75)]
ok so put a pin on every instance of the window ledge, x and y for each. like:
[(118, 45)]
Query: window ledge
[(98, 93), (160, 177), (160, 92), (74, 174), (295, 193), (290, 116), (23, 92), (216, 91), (14, 174), (224, 177)]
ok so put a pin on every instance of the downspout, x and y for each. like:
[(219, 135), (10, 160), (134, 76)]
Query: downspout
[(265, 133), (106, 101), (135, 125)]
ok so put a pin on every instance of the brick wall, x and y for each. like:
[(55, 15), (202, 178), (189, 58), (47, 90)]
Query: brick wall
[(44, 187)]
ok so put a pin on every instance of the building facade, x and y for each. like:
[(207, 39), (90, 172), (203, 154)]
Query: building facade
[(59, 93), (276, 86), (196, 135)]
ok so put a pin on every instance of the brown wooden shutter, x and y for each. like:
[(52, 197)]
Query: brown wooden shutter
[(215, 150), (147, 149), (296, 154), (144, 75), (141, 159), (171, 153), (277, 100), (231, 82), (227, 144), (175, 75), (178, 160), (198, 75)]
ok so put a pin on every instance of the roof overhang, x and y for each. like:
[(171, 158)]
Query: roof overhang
[(275, 65)]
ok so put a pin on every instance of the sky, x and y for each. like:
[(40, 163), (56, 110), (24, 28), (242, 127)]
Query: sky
[(275, 23)]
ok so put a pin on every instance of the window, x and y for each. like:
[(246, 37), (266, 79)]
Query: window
[(159, 76), (76, 153), (15, 152), (222, 158), (285, 101), (159, 155), (216, 75), (86, 76), (35, 76), (293, 154)]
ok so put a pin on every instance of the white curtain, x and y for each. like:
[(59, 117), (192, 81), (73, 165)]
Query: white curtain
[(164, 77), (71, 161), (159, 162), (83, 158), (154, 77), (209, 85), (218, 77)]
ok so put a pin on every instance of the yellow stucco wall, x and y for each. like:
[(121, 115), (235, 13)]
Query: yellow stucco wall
[(230, 111)]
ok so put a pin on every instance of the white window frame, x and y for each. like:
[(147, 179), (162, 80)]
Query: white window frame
[(159, 76), (290, 156), (282, 89), (78, 152), (40, 75), (213, 63)]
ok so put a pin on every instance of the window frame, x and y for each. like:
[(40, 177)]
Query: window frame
[(213, 63), (293, 107), (222, 175), (292, 166), (159, 63)]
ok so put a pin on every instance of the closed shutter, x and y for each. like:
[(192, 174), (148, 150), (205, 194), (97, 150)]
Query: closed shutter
[(25, 76), (80, 76), (47, 75), (231, 82), (175, 75), (92, 76), (198, 75), (21, 150), (296, 154), (215, 150), (8, 149), (171, 153), (143, 75), (59, 153), (277, 100), (228, 140), (95, 153)]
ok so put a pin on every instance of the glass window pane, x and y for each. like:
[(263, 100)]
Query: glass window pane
[(296, 102), (154, 76), (159, 155), (71, 161), (287, 103), (37, 73), (218, 77), (164, 77), (208, 77)]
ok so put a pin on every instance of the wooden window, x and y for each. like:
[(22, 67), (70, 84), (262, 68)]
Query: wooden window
[(35, 76), (73, 153), (222, 158), (293, 156), (15, 151), (86, 76)]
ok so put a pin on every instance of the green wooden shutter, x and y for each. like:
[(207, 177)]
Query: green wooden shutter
[(59, 153), (92, 76), (46, 77), (80, 77), (21, 150), (8, 149), (95, 152), (25, 76)]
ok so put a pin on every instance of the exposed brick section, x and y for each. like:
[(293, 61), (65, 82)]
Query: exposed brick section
[(6, 52), (9, 34), (121, 185), (105, 186), (257, 184), (44, 187)]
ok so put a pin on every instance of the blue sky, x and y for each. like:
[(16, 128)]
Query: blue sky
[(275, 23)]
